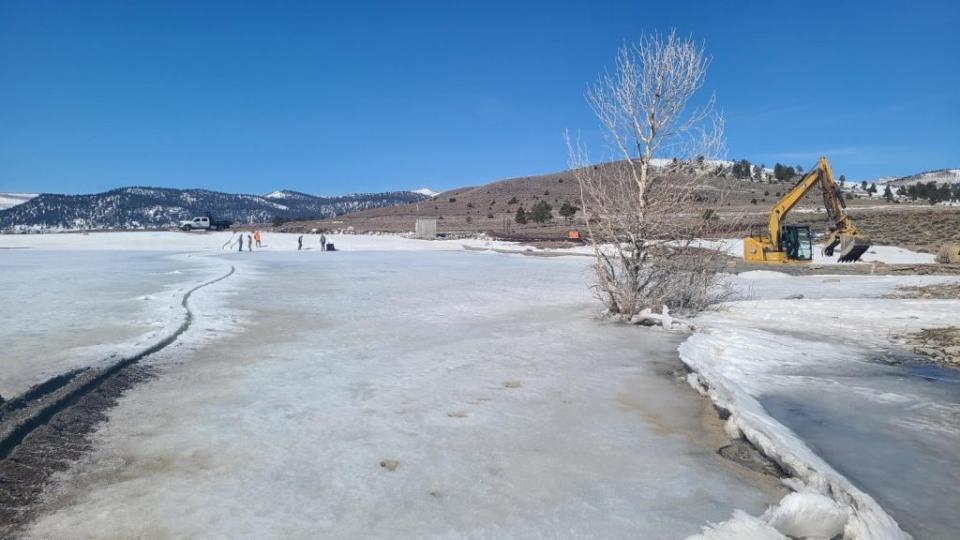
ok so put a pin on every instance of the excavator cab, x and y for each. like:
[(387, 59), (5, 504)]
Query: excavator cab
[(797, 242)]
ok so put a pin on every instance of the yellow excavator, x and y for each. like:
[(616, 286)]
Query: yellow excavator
[(793, 243)]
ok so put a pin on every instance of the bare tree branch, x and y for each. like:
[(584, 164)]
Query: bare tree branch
[(637, 213)]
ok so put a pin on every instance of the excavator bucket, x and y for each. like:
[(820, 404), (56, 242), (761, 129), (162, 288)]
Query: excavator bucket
[(852, 247)]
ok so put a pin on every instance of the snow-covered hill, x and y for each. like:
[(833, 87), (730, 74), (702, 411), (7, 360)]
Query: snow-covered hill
[(426, 191), (9, 200), (148, 207), (941, 176)]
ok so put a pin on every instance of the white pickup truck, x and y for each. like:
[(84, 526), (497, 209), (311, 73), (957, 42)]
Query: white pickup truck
[(205, 223)]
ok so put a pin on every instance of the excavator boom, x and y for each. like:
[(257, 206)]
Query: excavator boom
[(784, 243)]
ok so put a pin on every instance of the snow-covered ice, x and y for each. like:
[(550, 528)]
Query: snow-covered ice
[(220, 242), (67, 310)]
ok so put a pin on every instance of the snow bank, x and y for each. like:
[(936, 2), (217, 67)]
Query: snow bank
[(825, 345), (742, 526), (896, 255), (763, 274), (813, 362), (807, 515), (883, 254)]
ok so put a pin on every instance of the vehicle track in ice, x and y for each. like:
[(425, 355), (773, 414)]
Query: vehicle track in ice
[(45, 429)]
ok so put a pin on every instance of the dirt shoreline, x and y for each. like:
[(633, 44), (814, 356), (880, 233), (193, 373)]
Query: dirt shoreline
[(45, 429)]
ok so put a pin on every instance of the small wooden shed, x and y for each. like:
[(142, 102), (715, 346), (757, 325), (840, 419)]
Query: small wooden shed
[(426, 228)]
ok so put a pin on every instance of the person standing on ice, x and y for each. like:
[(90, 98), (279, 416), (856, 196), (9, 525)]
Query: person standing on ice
[(256, 236), (249, 243), (241, 243), (323, 242), (299, 242)]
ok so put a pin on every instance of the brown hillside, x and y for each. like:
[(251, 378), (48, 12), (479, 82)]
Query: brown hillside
[(491, 207)]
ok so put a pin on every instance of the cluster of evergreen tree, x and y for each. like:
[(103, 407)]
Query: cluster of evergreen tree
[(869, 188), (521, 216), (568, 210), (742, 169), (783, 172), (931, 191), (542, 212)]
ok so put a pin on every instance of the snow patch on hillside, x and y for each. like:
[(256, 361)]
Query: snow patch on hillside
[(9, 200), (425, 191), (941, 176)]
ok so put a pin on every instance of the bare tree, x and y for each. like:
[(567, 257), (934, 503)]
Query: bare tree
[(640, 212)]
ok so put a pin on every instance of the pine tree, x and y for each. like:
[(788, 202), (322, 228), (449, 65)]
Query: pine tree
[(782, 172), (741, 169), (568, 210), (540, 212), (888, 194), (521, 216)]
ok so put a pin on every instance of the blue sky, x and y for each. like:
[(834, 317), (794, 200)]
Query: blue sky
[(370, 96)]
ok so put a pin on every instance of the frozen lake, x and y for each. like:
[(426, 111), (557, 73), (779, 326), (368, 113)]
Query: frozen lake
[(504, 407), (402, 388)]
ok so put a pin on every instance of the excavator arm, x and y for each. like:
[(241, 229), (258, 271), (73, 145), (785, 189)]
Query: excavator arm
[(842, 232), (783, 207)]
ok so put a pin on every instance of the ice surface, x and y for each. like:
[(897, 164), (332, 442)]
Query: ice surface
[(512, 413), (220, 242), (65, 310), (811, 382)]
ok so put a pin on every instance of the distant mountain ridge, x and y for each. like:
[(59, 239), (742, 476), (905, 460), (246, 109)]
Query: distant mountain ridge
[(140, 207)]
